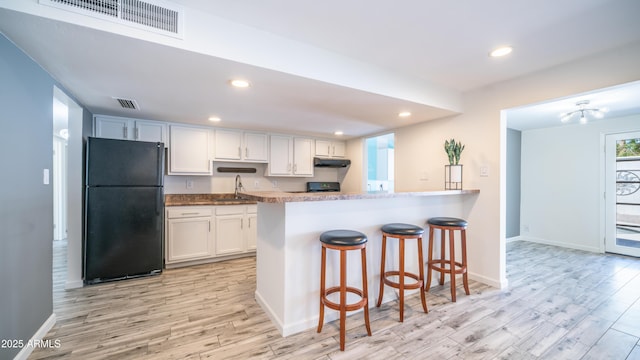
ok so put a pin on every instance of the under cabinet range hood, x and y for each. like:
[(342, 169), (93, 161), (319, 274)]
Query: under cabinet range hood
[(335, 163)]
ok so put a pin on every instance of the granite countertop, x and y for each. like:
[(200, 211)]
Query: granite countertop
[(282, 197), (204, 199)]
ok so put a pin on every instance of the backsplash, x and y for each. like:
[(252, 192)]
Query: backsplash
[(225, 182)]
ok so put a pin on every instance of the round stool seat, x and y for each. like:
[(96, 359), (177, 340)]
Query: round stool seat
[(402, 229), (447, 221), (343, 238)]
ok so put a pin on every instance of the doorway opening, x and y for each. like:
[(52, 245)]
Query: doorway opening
[(67, 187), (622, 193), (380, 163)]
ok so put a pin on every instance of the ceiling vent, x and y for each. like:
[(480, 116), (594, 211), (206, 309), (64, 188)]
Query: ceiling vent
[(158, 16), (127, 104)]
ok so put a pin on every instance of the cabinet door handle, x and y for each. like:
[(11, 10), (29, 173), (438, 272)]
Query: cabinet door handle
[(295, 168), (241, 223), (246, 152), (209, 225), (239, 152), (136, 133), (328, 149), (125, 132), (191, 213)]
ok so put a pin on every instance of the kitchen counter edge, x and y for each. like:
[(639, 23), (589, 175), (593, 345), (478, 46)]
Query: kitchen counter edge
[(204, 200), (283, 197)]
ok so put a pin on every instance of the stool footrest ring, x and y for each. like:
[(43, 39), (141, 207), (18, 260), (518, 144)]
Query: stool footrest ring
[(416, 285), (460, 269), (348, 307)]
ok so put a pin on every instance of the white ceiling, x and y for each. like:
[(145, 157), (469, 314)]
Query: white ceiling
[(438, 42)]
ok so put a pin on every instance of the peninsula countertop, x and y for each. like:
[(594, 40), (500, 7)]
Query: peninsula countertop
[(283, 197)]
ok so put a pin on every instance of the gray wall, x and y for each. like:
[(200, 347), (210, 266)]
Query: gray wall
[(26, 204), (514, 140), (26, 213)]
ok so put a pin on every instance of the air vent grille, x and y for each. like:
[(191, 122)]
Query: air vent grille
[(144, 13), (128, 104)]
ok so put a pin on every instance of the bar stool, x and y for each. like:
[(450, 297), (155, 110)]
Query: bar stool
[(401, 232), (443, 265), (343, 241)]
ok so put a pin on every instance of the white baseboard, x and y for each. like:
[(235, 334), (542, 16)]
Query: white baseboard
[(515, 238), (500, 284), (73, 284), (562, 244), (39, 335)]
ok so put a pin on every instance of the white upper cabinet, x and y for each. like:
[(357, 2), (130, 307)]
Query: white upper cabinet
[(302, 157), (228, 145), (235, 145), (329, 148), (120, 128), (189, 150), (290, 156), (256, 147)]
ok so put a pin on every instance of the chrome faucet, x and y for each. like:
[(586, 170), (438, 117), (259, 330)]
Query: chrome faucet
[(238, 186)]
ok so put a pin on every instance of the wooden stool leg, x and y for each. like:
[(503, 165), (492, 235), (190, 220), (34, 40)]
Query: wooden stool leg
[(421, 266), (322, 278), (382, 260), (401, 279), (365, 292), (452, 265), (442, 255), (464, 261), (343, 297), (429, 260)]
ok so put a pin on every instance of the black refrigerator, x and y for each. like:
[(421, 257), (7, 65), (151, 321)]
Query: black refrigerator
[(123, 210)]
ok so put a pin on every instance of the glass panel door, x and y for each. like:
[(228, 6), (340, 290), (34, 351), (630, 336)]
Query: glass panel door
[(623, 193)]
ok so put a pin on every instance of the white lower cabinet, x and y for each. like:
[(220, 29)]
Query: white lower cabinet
[(189, 234), (199, 234), (235, 228)]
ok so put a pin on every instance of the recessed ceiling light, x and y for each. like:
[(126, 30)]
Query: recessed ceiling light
[(501, 51), (239, 83), (404, 114), (338, 133), (214, 118)]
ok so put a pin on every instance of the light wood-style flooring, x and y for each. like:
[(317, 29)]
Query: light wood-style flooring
[(560, 304)]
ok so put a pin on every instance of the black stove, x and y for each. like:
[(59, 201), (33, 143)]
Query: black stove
[(313, 186)]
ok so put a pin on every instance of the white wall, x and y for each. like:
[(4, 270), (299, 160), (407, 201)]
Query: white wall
[(562, 188), (482, 128)]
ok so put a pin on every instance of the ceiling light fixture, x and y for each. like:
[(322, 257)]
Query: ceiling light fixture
[(501, 51), (239, 83), (214, 119), (404, 114), (583, 110), (338, 133)]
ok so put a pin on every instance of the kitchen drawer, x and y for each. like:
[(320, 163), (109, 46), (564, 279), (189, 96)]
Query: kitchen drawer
[(230, 209), (187, 212)]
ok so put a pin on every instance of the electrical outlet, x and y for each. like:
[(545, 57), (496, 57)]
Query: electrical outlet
[(256, 184), (189, 184), (274, 183), (484, 171)]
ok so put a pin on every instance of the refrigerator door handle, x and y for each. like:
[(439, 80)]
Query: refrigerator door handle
[(160, 166), (159, 203)]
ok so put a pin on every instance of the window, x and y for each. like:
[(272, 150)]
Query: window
[(380, 163)]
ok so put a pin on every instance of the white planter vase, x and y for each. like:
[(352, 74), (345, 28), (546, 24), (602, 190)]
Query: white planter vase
[(453, 177)]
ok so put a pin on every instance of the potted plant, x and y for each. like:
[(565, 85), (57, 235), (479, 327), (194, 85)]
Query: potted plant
[(453, 171)]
